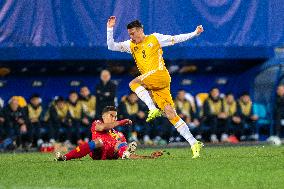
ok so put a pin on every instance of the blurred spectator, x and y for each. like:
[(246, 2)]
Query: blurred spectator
[(16, 123), (247, 117), (75, 113), (88, 102), (1, 103), (59, 122), (233, 117), (214, 117), (105, 92), (2, 120), (35, 115), (132, 109), (279, 112), (191, 100), (187, 111)]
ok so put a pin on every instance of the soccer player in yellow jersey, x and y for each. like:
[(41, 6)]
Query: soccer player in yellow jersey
[(147, 53)]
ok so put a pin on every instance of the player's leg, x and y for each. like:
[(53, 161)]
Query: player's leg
[(154, 80), (179, 124), (165, 102), (183, 130), (137, 86), (80, 151)]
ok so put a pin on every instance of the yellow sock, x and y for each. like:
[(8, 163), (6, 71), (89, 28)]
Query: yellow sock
[(175, 120)]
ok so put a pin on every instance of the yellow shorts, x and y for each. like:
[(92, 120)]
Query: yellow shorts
[(158, 82)]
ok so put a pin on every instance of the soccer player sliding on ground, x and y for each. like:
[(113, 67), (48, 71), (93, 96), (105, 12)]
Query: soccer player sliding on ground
[(147, 53), (107, 143)]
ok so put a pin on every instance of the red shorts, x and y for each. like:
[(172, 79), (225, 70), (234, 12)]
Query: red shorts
[(106, 152)]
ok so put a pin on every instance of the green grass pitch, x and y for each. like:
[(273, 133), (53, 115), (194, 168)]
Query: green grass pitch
[(219, 167)]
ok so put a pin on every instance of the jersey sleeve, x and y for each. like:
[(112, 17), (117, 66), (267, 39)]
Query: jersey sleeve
[(117, 46), (168, 40)]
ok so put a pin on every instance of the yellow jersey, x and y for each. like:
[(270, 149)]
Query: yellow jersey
[(148, 54)]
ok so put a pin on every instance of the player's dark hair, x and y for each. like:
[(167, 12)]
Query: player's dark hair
[(35, 95), (213, 88), (134, 24), (245, 93), (229, 93), (109, 108), (72, 92), (59, 99)]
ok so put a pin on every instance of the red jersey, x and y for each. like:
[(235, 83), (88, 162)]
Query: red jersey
[(109, 138)]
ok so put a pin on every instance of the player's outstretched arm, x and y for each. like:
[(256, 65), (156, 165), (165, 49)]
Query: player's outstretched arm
[(168, 40), (108, 126), (114, 46), (154, 155)]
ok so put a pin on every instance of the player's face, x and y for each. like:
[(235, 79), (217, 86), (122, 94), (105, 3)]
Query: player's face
[(246, 99), (133, 98), (14, 104), (230, 99), (215, 93), (110, 117), (136, 34), (280, 90), (35, 101), (85, 91), (105, 76), (61, 105), (73, 97), (181, 95)]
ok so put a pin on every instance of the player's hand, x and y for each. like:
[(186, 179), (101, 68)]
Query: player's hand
[(199, 29), (111, 22), (157, 154), (125, 122)]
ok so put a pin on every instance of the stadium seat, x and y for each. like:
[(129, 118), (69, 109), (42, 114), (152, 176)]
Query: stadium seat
[(263, 120)]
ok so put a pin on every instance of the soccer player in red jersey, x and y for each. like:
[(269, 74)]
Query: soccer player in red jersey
[(106, 143)]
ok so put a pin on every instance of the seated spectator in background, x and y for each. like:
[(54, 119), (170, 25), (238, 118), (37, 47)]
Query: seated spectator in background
[(247, 117), (234, 121), (39, 131), (6, 143), (16, 123), (1, 103), (279, 112), (105, 92), (2, 120), (214, 117), (88, 102), (58, 120), (75, 113), (186, 110), (131, 108)]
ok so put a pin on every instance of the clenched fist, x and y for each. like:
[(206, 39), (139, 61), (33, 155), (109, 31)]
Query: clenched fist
[(111, 22), (199, 29)]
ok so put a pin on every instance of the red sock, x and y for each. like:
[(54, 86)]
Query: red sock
[(121, 150), (78, 152)]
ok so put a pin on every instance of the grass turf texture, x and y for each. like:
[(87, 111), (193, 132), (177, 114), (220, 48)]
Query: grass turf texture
[(219, 167)]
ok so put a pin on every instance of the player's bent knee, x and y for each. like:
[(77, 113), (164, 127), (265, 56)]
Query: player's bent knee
[(170, 112), (134, 84), (131, 83)]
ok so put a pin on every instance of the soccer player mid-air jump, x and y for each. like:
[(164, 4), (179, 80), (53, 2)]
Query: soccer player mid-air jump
[(147, 53)]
